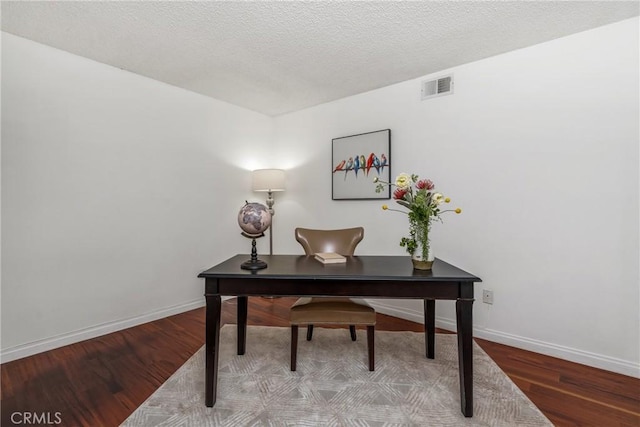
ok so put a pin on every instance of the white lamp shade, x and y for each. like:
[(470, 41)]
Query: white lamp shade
[(267, 180)]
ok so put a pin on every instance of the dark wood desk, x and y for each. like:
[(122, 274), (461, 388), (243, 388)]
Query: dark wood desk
[(361, 276)]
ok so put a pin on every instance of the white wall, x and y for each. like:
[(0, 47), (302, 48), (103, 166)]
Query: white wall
[(540, 148), (116, 192)]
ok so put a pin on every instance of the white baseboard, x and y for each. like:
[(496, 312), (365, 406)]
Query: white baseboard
[(595, 360), (35, 347), (561, 352)]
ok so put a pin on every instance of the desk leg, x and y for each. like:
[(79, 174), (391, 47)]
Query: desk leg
[(212, 341), (464, 320), (430, 327), (242, 324)]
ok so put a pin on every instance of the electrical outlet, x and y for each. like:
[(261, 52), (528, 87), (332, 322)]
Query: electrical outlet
[(487, 296)]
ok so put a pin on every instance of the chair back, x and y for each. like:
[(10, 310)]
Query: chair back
[(343, 241)]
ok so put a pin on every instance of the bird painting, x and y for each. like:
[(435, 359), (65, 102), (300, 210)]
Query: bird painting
[(368, 156)]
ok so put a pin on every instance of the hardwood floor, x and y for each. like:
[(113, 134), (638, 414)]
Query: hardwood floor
[(100, 382)]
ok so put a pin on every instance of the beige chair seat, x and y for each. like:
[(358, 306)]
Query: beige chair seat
[(335, 311)]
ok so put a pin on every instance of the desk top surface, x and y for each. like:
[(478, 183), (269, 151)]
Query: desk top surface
[(301, 267)]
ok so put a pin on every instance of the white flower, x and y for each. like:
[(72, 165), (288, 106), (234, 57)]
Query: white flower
[(403, 181), (437, 198)]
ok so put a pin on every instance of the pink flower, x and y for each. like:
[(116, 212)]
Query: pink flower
[(425, 183), (399, 193)]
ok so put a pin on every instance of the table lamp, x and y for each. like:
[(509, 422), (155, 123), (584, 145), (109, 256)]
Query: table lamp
[(269, 180)]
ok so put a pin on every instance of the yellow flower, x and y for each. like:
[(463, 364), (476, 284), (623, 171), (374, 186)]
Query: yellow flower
[(376, 179), (385, 207), (458, 210), (403, 180), (447, 200)]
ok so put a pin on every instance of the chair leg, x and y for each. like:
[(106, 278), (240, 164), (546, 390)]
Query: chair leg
[(371, 346), (352, 330), (294, 346), (309, 332)]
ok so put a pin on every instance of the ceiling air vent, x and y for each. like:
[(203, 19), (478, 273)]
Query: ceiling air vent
[(438, 87)]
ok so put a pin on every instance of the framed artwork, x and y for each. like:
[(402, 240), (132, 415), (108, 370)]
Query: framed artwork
[(356, 161)]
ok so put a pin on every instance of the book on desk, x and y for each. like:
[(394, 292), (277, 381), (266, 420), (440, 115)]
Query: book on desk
[(330, 258)]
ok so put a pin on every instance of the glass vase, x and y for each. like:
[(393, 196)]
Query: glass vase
[(423, 258)]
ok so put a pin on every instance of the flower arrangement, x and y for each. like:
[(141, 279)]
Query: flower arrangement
[(424, 205)]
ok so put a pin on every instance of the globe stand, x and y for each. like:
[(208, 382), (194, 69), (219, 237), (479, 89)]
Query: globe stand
[(254, 263)]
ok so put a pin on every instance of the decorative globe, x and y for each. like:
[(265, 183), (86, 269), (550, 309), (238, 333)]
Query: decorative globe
[(254, 219)]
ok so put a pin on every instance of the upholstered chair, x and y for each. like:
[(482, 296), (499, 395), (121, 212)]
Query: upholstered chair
[(311, 311)]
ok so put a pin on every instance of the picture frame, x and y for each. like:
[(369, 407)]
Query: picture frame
[(356, 160)]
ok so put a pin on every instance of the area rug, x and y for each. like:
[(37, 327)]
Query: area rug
[(333, 386)]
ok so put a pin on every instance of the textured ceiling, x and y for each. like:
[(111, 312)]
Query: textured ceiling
[(278, 57)]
